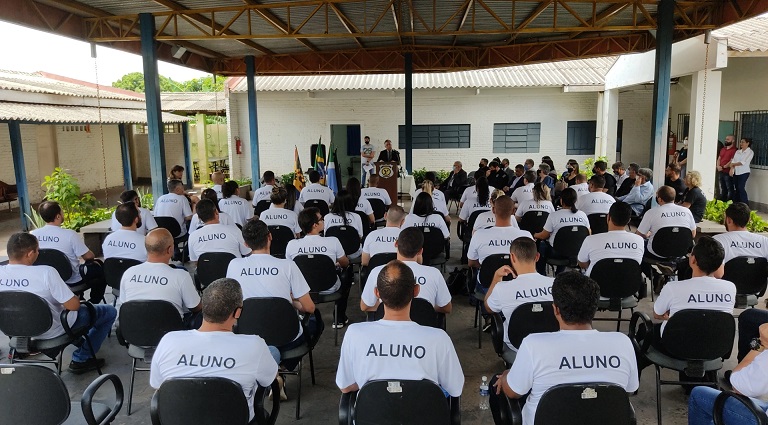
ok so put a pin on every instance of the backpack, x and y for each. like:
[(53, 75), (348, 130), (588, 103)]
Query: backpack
[(457, 281)]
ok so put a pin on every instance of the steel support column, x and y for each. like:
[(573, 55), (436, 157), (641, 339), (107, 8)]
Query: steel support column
[(154, 113), (409, 113), (661, 89), (253, 121), (20, 172), (125, 154), (187, 154)]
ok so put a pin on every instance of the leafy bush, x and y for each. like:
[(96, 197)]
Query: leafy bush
[(586, 167), (418, 176), (35, 220), (146, 198), (246, 181), (715, 211), (79, 210), (287, 179)]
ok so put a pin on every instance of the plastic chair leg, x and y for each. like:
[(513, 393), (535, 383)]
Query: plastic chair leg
[(658, 394), (93, 354), (312, 367), (298, 394), (130, 390)]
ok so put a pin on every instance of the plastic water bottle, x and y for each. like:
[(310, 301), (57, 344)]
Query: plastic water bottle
[(484, 404)]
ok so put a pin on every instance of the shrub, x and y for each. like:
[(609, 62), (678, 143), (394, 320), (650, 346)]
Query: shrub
[(715, 211), (79, 209)]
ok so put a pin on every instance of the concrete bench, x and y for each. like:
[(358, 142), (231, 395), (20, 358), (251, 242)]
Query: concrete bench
[(94, 235), (708, 227)]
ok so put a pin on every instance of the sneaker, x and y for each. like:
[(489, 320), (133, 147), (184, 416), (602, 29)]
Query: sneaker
[(81, 367), (281, 384), (341, 324), (487, 325)]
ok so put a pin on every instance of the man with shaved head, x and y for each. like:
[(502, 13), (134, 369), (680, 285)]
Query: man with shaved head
[(156, 280)]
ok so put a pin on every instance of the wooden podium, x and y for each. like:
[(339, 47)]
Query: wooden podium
[(388, 173)]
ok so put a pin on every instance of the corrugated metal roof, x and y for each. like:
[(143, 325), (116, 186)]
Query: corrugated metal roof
[(196, 101), (750, 35), (581, 72), (40, 82), (77, 114)]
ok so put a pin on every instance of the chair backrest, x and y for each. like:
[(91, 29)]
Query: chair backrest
[(422, 312), (473, 218), (489, 266), (366, 221), (23, 314), (672, 242), (568, 240), (260, 207), (281, 235), (749, 274), (24, 387), (617, 277), (115, 267), (598, 223), (144, 322), (170, 224), (378, 208), (533, 221), (56, 259), (380, 259), (434, 243), (210, 401), (347, 235), (319, 271), (319, 204), (531, 318), (212, 266), (594, 403), (393, 401), (699, 334), (273, 319)]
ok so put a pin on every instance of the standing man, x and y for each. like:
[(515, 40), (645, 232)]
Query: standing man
[(455, 181), (389, 155), (727, 187), (366, 161)]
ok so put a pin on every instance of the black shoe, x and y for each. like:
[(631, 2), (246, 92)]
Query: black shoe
[(487, 325), (340, 324), (82, 367)]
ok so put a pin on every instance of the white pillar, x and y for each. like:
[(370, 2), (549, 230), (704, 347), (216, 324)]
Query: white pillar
[(704, 124), (607, 124), (202, 148)]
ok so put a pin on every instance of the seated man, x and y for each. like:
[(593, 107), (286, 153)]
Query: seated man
[(432, 286), (46, 283), (217, 177), (392, 336), (156, 280), (672, 179), (582, 187), (214, 350), (516, 180), (214, 236), (53, 236), (738, 241), (619, 173), (595, 201), (455, 183), (524, 192), (175, 205), (527, 286), (374, 192), (126, 242), (616, 243), (315, 190), (629, 181), (147, 219), (610, 182), (641, 192), (497, 178), (383, 240), (264, 192), (577, 353)]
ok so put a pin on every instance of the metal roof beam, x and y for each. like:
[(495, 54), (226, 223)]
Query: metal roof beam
[(279, 24)]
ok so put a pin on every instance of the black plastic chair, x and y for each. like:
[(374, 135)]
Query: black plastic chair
[(750, 275), (212, 266), (320, 273), (59, 261), (114, 268), (391, 401), (598, 223), (319, 204), (760, 416), (619, 279), (180, 242), (434, 247), (375, 261), (526, 319), (275, 320), (464, 230), (210, 401), (695, 342), (568, 242), (487, 270), (422, 312), (24, 316), (143, 323), (281, 235), (348, 236), (533, 221), (378, 210), (671, 244), (260, 207), (367, 225), (34, 394)]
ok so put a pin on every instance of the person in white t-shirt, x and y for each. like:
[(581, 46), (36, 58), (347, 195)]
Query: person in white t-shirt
[(527, 286), (433, 288), (424, 215), (524, 193), (395, 347), (214, 236), (53, 236), (218, 181), (126, 242), (487, 219), (175, 205), (373, 191), (277, 214), (566, 217), (21, 275), (540, 201), (224, 218), (383, 240), (438, 200), (315, 190), (616, 243), (361, 204), (214, 350), (481, 202), (497, 239), (233, 205), (263, 193), (147, 219), (437, 194), (738, 241), (342, 214), (157, 280), (595, 201), (582, 187), (577, 353)]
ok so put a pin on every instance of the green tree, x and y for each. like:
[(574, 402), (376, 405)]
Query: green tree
[(134, 81)]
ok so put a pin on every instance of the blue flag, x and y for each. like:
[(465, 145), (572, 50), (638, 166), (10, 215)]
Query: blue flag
[(332, 183)]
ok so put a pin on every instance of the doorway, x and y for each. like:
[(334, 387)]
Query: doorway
[(346, 139)]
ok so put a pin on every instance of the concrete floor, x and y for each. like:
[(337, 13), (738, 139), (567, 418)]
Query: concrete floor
[(319, 404)]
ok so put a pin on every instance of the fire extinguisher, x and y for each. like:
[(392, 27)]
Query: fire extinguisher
[(672, 148), (238, 146)]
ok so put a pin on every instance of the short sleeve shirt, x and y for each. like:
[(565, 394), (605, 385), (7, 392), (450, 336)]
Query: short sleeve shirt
[(595, 202), (124, 243), (531, 205), (349, 219), (262, 194), (217, 238), (752, 381), (742, 244), (315, 244), (698, 293), (147, 222), (158, 281), (381, 241), (469, 207), (217, 188), (564, 218), (495, 240), (509, 295), (667, 215), (522, 193), (469, 193), (224, 219), (316, 191), (488, 219), (581, 189), (613, 244), (175, 206), (276, 216), (237, 208), (376, 193), (432, 285), (438, 202), (364, 206), (66, 241), (698, 201), (432, 220)]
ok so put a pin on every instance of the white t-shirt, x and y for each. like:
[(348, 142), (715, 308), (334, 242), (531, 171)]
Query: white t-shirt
[(438, 203), (377, 193), (158, 281), (548, 359), (387, 349), (316, 191), (352, 219), (509, 295), (278, 216), (469, 193), (237, 208), (244, 359), (147, 222), (437, 195), (317, 245), (381, 240), (364, 206), (124, 243), (488, 219), (262, 194), (217, 188), (66, 241), (495, 240), (564, 218), (224, 219), (175, 206), (531, 205), (613, 244), (595, 202), (432, 285), (469, 207), (217, 238), (432, 220), (698, 293), (581, 189), (667, 215), (752, 380), (522, 193), (45, 282), (742, 244)]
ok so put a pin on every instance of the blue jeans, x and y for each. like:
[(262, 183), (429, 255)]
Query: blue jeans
[(275, 353), (702, 402), (105, 317), (740, 181), (727, 191)]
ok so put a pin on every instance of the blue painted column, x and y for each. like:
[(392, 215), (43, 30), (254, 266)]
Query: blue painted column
[(409, 113), (187, 155), (661, 89), (125, 154), (154, 113), (20, 172), (253, 120)]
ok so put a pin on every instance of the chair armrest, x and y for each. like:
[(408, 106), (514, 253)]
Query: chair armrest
[(91, 314), (346, 406), (497, 333), (505, 410), (260, 415), (717, 412), (86, 402), (455, 404), (643, 329)]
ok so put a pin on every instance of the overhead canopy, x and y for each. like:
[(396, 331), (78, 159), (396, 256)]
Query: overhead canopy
[(211, 102), (370, 36), (59, 114)]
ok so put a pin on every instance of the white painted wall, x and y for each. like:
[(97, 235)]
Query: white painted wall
[(80, 152), (29, 136), (174, 154), (635, 106)]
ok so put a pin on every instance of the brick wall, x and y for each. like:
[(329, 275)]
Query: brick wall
[(80, 152), (174, 153), (29, 138)]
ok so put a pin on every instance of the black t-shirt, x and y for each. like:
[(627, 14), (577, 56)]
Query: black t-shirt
[(626, 186), (698, 201), (679, 187), (610, 184)]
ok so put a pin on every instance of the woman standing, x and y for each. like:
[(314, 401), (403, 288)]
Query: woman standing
[(739, 166)]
